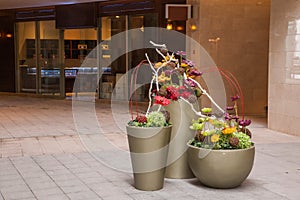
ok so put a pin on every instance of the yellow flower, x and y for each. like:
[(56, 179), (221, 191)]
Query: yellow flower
[(168, 58), (162, 78), (229, 130), (215, 138), (184, 65), (158, 65)]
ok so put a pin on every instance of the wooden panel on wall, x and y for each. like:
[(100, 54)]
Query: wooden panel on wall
[(7, 54)]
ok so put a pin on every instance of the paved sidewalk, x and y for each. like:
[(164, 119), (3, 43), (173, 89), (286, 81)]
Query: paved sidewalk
[(43, 157)]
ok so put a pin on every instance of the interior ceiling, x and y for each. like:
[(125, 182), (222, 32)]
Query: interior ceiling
[(12, 4)]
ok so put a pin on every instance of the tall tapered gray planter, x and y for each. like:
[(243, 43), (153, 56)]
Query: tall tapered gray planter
[(181, 118), (148, 152)]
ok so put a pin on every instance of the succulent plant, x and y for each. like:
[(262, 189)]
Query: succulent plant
[(156, 119)]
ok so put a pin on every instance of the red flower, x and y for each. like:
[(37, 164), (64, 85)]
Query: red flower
[(172, 93), (161, 100), (185, 94), (182, 89)]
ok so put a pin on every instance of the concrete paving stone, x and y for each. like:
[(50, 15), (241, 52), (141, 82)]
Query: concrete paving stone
[(62, 177), (52, 167), (130, 189), (15, 188), (7, 177), (33, 174), (54, 197), (84, 156), (125, 183), (28, 199), (89, 174), (170, 191), (83, 170), (59, 171), (30, 146), (5, 135), (84, 196), (105, 189), (22, 160), (42, 185), (146, 196), (5, 164), (119, 197), (68, 183), (42, 159), (49, 145), (69, 145), (47, 192), (11, 182), (65, 158), (74, 165), (8, 172), (114, 175), (17, 195), (75, 188), (94, 180), (46, 160), (37, 180), (93, 164)]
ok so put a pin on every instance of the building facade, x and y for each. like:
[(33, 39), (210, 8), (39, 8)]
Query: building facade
[(255, 40)]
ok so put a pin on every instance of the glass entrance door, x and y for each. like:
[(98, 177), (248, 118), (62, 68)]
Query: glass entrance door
[(113, 63), (49, 67), (38, 58), (80, 61)]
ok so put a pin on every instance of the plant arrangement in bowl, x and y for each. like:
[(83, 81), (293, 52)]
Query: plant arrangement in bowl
[(221, 154), (221, 133)]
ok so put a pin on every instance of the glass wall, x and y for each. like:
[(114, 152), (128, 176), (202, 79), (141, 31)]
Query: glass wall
[(50, 60)]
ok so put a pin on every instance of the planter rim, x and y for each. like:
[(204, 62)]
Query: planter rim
[(141, 127), (221, 150)]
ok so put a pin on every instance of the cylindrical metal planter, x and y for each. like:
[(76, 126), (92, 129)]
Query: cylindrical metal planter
[(148, 152), (221, 168), (181, 119)]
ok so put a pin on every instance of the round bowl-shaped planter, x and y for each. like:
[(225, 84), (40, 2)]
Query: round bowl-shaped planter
[(148, 151), (221, 168)]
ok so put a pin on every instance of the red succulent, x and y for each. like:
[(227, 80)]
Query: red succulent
[(141, 119)]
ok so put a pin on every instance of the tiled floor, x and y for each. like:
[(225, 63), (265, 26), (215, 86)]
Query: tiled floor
[(42, 156)]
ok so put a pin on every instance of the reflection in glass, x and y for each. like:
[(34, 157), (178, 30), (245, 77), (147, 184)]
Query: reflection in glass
[(26, 56), (293, 50)]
